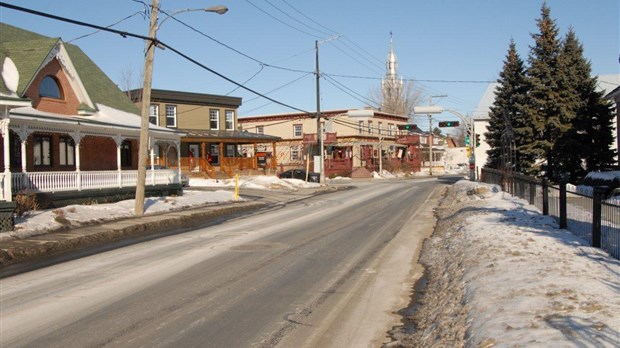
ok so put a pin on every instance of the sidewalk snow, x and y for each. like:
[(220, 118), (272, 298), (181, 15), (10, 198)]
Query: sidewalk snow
[(45, 221), (516, 280)]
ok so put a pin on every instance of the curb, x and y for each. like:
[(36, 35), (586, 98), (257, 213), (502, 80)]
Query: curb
[(58, 243)]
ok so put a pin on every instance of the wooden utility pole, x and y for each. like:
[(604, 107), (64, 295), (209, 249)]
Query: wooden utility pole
[(146, 105)]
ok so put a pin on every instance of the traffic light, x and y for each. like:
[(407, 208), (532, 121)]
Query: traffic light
[(449, 124), (407, 127), (477, 140), (467, 140)]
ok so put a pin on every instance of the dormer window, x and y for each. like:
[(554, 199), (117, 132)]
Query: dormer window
[(50, 88)]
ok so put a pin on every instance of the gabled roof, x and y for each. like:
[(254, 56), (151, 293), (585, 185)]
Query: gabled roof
[(30, 51)]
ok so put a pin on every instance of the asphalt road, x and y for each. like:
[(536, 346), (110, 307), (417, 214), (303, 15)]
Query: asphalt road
[(316, 272)]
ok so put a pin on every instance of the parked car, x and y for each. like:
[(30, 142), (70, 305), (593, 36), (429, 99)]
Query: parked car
[(184, 178), (299, 174), (609, 179)]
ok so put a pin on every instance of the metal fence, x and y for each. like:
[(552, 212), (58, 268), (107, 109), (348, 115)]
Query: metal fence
[(586, 214)]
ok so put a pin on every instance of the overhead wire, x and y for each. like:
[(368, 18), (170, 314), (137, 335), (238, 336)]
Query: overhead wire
[(154, 41)]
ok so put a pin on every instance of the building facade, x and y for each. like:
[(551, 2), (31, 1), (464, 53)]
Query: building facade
[(356, 142), (211, 142)]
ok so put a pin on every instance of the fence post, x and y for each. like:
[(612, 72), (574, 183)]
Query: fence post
[(597, 199), (545, 196), (563, 202), (532, 186)]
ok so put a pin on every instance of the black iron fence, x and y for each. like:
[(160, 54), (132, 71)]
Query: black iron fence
[(589, 216)]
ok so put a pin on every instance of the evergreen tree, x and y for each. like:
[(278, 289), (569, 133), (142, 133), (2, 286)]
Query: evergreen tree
[(506, 116), (548, 107), (587, 146)]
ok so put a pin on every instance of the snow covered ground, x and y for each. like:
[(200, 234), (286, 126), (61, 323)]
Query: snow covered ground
[(44, 221), (501, 274)]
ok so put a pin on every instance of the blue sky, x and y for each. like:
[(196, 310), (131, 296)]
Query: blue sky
[(445, 46)]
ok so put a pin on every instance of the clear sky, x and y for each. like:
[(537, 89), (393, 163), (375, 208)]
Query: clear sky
[(451, 47)]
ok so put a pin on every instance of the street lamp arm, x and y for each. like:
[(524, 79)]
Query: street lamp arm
[(219, 9)]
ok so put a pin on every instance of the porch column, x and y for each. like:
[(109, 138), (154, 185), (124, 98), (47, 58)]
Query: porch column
[(24, 133), (7, 189), (255, 159), (77, 139), (152, 157), (177, 143), (221, 154), (119, 176), (274, 157)]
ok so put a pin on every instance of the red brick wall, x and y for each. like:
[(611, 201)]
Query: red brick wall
[(66, 106)]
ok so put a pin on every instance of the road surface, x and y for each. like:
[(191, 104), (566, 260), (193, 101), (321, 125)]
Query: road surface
[(325, 271)]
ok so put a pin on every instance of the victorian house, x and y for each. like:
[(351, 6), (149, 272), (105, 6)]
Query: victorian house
[(68, 132)]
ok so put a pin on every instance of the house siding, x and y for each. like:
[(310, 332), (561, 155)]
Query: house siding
[(66, 106)]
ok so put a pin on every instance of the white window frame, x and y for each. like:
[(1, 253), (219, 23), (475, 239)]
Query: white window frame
[(361, 127), (230, 119), (295, 154), (154, 114), (214, 118), (260, 130), (298, 130), (171, 115), (66, 147)]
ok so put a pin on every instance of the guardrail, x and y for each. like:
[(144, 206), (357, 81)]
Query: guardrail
[(586, 214)]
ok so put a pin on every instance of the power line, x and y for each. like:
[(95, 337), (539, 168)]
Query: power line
[(154, 41), (281, 21)]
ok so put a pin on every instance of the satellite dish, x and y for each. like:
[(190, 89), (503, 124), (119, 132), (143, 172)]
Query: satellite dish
[(10, 75)]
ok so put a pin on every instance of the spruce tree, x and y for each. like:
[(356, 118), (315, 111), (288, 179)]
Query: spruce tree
[(506, 115), (548, 108), (587, 146)]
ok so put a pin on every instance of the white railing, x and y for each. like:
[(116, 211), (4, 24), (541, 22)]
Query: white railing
[(74, 181)]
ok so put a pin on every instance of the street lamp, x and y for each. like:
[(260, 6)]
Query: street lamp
[(146, 97)]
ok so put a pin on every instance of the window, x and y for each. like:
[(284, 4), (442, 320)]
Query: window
[(297, 130), (230, 120), (171, 115), (369, 127), (231, 150), (49, 88), (214, 119), (126, 153), (390, 129), (295, 154), (380, 126), (67, 151), (42, 150), (154, 114), (260, 130), (361, 127)]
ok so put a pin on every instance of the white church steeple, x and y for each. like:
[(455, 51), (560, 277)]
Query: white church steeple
[(391, 85)]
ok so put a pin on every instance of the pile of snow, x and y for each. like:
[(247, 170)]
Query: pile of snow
[(522, 281)]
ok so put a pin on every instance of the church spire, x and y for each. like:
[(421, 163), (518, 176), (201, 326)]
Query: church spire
[(392, 62), (391, 86)]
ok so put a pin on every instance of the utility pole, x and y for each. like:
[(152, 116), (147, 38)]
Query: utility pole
[(319, 132), (146, 103), (430, 132)]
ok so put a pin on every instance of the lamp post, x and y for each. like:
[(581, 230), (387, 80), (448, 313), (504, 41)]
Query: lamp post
[(146, 98), (319, 133)]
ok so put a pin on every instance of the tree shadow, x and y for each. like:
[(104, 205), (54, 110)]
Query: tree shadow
[(583, 332)]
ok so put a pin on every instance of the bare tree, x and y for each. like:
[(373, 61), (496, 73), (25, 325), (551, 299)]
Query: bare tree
[(130, 80), (400, 103)]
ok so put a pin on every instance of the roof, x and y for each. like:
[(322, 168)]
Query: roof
[(190, 98), (236, 136), (30, 51), (324, 113)]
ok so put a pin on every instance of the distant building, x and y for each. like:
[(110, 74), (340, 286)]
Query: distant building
[(356, 141)]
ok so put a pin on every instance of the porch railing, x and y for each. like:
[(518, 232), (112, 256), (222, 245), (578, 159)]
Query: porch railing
[(87, 180)]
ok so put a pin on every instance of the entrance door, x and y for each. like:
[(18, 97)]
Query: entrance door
[(215, 154), (194, 157)]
